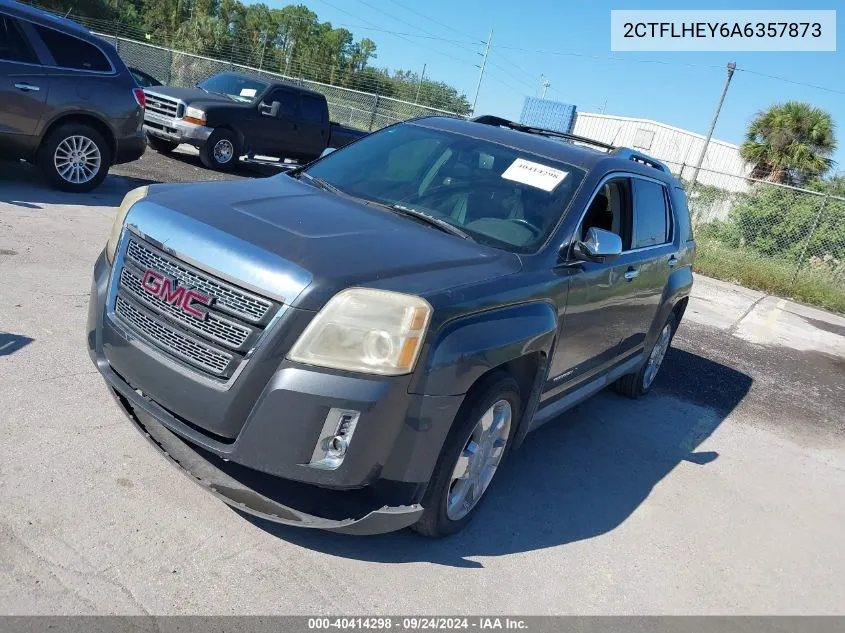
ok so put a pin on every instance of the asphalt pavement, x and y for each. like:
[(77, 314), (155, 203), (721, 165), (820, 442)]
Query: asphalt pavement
[(719, 493)]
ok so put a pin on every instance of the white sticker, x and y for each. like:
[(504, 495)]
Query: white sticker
[(534, 174), (248, 92)]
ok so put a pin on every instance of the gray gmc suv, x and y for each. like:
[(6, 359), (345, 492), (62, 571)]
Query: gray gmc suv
[(67, 101), (357, 344)]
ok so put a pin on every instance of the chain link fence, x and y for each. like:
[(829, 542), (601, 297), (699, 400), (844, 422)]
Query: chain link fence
[(362, 110)]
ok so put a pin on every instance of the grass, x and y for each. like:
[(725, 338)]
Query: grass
[(814, 287)]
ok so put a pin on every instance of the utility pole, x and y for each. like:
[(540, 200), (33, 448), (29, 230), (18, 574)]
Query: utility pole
[(731, 69), (545, 83), (417, 98), (481, 74), (263, 46)]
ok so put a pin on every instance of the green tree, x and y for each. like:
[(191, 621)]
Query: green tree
[(790, 143)]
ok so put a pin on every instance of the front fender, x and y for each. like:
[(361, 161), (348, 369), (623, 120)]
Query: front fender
[(465, 349)]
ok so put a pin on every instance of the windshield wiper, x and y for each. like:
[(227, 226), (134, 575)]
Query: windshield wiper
[(431, 220), (322, 184)]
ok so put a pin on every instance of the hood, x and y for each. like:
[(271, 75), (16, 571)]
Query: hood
[(193, 96), (339, 242)]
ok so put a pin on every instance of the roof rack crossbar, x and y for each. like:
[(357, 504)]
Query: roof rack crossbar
[(489, 119), (624, 152)]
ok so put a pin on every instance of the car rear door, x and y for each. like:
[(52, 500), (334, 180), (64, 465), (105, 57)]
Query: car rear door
[(650, 259), (314, 126), (24, 86)]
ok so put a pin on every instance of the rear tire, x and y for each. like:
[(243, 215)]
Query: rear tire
[(221, 151), (162, 146), (74, 157), (640, 382), (450, 502)]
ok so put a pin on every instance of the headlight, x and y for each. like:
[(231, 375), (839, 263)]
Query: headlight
[(117, 226), (194, 115), (364, 330)]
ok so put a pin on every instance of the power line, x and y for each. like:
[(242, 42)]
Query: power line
[(791, 81), (402, 21), (510, 74), (391, 32), (607, 57), (430, 19), (434, 50)]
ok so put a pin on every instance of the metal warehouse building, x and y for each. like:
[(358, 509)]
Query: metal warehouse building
[(676, 147)]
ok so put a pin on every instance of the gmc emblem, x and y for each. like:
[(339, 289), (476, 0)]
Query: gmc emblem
[(188, 300)]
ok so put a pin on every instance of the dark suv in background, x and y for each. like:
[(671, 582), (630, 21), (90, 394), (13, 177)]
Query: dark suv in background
[(67, 101)]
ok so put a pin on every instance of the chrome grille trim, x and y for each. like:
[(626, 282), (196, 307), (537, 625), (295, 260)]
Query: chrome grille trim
[(221, 330), (229, 299), (187, 348), (159, 104)]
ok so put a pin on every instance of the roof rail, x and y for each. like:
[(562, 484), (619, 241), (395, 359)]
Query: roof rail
[(624, 152), (496, 121)]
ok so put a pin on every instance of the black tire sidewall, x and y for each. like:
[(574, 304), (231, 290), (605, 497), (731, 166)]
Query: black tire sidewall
[(48, 151), (207, 150), (500, 387)]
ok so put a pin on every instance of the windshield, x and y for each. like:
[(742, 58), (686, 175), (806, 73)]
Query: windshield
[(238, 87), (499, 195)]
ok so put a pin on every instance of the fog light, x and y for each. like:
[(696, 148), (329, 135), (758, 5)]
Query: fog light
[(335, 436)]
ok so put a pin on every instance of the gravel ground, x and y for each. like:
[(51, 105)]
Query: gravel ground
[(721, 492)]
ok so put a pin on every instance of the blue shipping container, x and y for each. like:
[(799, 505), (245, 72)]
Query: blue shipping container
[(550, 115)]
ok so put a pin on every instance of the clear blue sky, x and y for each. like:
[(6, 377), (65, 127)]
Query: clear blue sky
[(684, 96)]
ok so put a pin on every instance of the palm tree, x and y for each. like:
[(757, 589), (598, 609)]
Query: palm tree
[(790, 143)]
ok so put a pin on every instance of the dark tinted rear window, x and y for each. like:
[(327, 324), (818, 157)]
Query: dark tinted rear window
[(13, 46), (651, 215), (71, 52), (312, 109)]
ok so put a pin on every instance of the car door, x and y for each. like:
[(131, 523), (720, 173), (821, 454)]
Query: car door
[(24, 86), (314, 127), (650, 260), (598, 315), (277, 135)]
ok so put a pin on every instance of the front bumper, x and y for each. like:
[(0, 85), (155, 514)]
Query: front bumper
[(263, 469), (176, 130)]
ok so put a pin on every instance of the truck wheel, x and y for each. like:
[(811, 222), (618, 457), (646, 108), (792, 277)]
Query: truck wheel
[(74, 157), (221, 151), (163, 146), (476, 445), (640, 383)]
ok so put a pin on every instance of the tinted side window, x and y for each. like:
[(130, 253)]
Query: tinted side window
[(312, 109), (651, 214), (13, 45), (287, 100), (71, 52)]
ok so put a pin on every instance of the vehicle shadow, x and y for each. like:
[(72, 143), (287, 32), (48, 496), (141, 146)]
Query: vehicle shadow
[(21, 185), (11, 343), (190, 158), (575, 478)]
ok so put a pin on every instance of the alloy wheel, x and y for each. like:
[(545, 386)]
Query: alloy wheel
[(77, 159)]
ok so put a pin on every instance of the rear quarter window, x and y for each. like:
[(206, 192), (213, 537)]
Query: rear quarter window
[(71, 52), (652, 222)]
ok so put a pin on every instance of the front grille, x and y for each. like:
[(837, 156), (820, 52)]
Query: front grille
[(229, 299), (215, 343), (164, 106), (217, 328), (204, 356)]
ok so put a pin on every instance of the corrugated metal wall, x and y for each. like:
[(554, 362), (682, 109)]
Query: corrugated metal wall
[(551, 115)]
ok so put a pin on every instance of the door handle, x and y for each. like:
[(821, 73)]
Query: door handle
[(27, 87), (672, 261), (631, 274)]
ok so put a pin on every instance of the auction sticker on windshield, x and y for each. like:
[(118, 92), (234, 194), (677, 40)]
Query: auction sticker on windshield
[(248, 92), (534, 174)]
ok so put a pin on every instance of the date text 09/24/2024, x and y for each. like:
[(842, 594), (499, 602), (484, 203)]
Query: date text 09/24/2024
[(416, 623)]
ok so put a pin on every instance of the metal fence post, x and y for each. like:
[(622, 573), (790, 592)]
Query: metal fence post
[(373, 113), (809, 237)]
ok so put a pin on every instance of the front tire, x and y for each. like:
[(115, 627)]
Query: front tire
[(477, 444), (640, 383), (160, 145), (221, 151), (74, 157)]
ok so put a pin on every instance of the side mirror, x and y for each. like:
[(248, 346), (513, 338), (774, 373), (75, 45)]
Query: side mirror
[(599, 246), (327, 151), (271, 110)]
